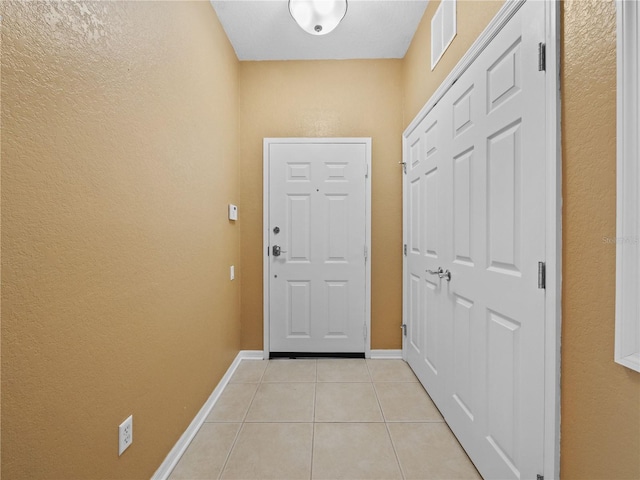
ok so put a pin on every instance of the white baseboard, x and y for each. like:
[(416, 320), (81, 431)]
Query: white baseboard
[(389, 354), (252, 354), (183, 442)]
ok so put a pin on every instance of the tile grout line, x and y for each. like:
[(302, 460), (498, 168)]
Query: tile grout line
[(242, 423), (395, 452), (253, 397), (233, 444), (313, 422), (386, 426)]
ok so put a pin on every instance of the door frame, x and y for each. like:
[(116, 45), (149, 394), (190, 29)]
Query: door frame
[(366, 141), (553, 208)]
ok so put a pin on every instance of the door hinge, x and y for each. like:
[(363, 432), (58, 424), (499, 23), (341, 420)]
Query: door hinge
[(364, 331), (539, 477), (366, 174), (405, 249), (542, 274), (404, 329), (267, 250), (404, 167), (366, 253), (542, 57)]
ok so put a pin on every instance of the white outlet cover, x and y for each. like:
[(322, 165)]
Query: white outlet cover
[(125, 435), (232, 272)]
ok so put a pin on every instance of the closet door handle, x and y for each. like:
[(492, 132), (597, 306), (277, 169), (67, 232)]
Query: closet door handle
[(446, 274)]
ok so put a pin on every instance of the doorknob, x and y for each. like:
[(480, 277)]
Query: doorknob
[(276, 250), (446, 274)]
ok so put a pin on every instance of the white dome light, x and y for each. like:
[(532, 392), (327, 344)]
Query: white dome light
[(318, 17)]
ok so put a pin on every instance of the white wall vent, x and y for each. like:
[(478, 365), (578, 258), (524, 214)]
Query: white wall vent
[(443, 30)]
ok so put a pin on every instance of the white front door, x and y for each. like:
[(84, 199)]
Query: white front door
[(475, 206), (316, 230)]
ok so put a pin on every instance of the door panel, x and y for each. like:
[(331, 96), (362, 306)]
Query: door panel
[(504, 182), (482, 353), (317, 286), (463, 357), (298, 309), (431, 212), (463, 211), (426, 325), (299, 228), (433, 332)]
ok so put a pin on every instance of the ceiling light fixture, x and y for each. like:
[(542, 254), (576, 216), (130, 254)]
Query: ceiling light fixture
[(318, 17)]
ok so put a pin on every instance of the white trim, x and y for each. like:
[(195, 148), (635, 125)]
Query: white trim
[(553, 297), (252, 354), (388, 354), (265, 227), (172, 459), (553, 242), (627, 329)]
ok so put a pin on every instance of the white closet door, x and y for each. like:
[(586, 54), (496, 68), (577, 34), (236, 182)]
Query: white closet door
[(425, 203), (490, 233)]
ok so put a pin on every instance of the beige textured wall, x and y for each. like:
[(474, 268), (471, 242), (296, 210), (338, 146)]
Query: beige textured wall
[(600, 399), (0, 250), (119, 156), (356, 98)]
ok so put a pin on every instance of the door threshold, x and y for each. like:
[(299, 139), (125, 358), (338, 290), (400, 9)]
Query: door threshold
[(292, 355)]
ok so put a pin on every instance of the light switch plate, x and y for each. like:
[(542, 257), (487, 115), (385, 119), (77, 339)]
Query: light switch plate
[(233, 212), (232, 272)]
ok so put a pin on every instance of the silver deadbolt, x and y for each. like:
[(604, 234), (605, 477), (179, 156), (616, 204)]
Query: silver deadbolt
[(276, 230), (276, 251)]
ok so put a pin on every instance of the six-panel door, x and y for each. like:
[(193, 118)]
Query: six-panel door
[(317, 206)]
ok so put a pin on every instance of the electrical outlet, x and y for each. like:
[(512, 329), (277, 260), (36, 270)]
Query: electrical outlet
[(125, 435)]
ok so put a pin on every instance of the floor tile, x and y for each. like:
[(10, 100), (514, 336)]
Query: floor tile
[(406, 402), (290, 371), (233, 404), (349, 399), (249, 371), (353, 451), (207, 453), (390, 371), (271, 451), (347, 402), (430, 451), (283, 402), (343, 370)]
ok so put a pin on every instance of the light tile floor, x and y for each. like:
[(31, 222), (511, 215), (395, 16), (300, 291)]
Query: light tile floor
[(324, 419)]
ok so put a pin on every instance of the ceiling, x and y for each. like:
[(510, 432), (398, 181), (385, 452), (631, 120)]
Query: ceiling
[(264, 30)]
